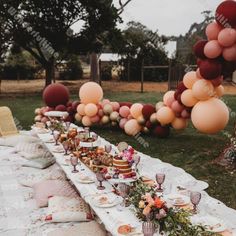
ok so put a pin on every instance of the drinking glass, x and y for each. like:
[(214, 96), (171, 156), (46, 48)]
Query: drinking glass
[(66, 147), (100, 179), (160, 178), (56, 136), (67, 123), (136, 161), (77, 141), (195, 198), (108, 148), (148, 228), (95, 136), (74, 162), (124, 191)]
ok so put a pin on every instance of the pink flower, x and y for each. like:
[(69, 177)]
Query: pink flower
[(149, 199), (162, 214), (147, 210)]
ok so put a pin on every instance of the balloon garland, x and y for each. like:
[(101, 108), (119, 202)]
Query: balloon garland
[(197, 97)]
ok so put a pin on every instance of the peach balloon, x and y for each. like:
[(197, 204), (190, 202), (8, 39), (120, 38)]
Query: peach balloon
[(136, 110), (159, 105), (132, 127), (227, 37), (198, 74), (167, 95), (90, 109), (86, 121), (115, 106), (229, 53), (219, 91), (124, 111), (177, 107), (114, 116), (90, 92), (122, 123), (105, 101), (189, 79), (210, 116), (179, 123), (105, 120), (80, 109), (188, 99), (108, 109), (165, 115), (203, 89), (170, 101), (213, 30), (212, 49), (78, 117)]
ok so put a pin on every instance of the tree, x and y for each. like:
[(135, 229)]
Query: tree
[(142, 44), (43, 28)]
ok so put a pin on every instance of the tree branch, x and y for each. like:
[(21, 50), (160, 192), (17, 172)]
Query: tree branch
[(122, 6)]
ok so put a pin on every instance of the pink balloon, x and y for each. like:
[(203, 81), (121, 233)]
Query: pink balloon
[(185, 114), (86, 121), (198, 74), (212, 49), (124, 111), (122, 123), (213, 30), (170, 101), (100, 112), (95, 119), (105, 101), (167, 95), (115, 106), (177, 107), (229, 53), (130, 117), (227, 37)]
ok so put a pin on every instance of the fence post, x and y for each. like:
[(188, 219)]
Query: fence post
[(142, 75)]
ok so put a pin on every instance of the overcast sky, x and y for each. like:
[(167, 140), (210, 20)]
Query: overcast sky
[(170, 17)]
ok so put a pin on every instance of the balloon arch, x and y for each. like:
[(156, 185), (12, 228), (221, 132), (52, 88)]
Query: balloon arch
[(197, 97)]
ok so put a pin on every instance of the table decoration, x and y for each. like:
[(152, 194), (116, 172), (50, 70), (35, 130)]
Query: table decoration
[(100, 179), (171, 220), (160, 178), (195, 198), (74, 163)]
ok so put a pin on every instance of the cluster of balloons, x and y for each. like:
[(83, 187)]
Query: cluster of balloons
[(56, 97), (132, 118)]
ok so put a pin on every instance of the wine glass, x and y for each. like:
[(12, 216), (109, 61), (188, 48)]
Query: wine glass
[(76, 141), (66, 147), (124, 191), (108, 148), (94, 136), (74, 162), (148, 228), (195, 198), (100, 179), (56, 136), (136, 161), (67, 123), (160, 178), (87, 132)]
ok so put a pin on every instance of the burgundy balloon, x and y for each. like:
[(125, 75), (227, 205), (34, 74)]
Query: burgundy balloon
[(69, 104), (199, 61), (181, 87), (128, 104), (198, 48), (70, 118), (228, 68), (55, 94), (161, 131), (148, 124), (61, 108), (74, 105), (217, 82), (210, 69), (226, 14), (70, 110), (148, 110)]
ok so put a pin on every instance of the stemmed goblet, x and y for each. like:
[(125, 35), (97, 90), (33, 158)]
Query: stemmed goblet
[(67, 123), (160, 178), (136, 161), (195, 198), (108, 148), (124, 191), (100, 179), (56, 136), (66, 147), (74, 162)]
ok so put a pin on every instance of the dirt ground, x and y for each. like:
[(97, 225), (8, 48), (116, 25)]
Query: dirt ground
[(36, 86)]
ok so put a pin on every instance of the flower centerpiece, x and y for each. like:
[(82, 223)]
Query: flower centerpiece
[(173, 221)]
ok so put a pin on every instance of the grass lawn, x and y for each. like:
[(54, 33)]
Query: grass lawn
[(190, 150)]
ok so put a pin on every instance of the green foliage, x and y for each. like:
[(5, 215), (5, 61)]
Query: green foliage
[(73, 69)]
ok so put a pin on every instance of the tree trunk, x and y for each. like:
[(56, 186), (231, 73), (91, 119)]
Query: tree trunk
[(93, 67), (50, 72)]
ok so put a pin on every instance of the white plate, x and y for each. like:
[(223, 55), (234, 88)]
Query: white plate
[(112, 201), (211, 223), (49, 141), (58, 150), (173, 198), (83, 180), (119, 181)]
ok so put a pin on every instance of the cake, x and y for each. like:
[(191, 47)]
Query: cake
[(122, 165)]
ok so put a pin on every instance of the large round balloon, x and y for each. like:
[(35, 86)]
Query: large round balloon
[(124, 111), (229, 53), (80, 109), (210, 116), (169, 97), (165, 115), (210, 69), (90, 92), (212, 49), (90, 109), (86, 121), (203, 89), (188, 99), (225, 14), (136, 110), (55, 94), (227, 37), (132, 127)]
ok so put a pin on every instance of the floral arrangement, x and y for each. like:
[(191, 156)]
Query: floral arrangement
[(127, 155), (174, 221)]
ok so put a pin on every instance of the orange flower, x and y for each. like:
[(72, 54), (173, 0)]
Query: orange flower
[(158, 203), (146, 210)]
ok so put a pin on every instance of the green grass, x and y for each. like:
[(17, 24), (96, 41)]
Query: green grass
[(189, 149)]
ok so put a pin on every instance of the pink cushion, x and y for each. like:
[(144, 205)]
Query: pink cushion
[(49, 188)]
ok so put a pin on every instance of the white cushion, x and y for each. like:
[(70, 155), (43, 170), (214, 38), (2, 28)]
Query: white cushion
[(40, 162), (12, 141), (66, 209)]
